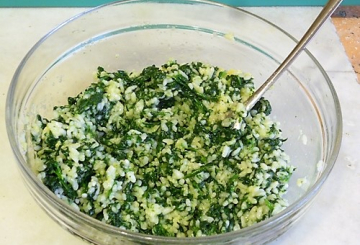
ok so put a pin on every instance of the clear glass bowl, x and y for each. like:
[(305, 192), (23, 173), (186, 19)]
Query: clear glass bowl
[(131, 35)]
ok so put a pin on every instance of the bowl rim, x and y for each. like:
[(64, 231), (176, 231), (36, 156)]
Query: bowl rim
[(253, 229)]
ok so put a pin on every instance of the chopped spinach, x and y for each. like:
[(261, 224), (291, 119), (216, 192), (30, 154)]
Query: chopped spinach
[(170, 151)]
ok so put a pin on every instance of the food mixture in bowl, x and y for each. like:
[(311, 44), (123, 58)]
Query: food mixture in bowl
[(168, 151)]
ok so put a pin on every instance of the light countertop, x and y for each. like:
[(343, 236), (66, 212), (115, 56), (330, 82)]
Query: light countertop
[(334, 217)]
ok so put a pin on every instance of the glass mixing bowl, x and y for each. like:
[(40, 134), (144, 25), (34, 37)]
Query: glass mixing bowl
[(134, 34)]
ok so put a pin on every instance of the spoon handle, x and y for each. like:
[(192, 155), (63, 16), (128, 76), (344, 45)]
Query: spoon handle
[(324, 14)]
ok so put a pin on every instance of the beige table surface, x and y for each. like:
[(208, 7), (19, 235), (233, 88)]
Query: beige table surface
[(346, 20)]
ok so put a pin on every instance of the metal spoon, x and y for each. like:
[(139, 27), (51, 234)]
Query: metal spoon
[(324, 14)]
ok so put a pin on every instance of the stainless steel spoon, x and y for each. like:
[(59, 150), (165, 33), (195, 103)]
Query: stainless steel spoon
[(324, 14)]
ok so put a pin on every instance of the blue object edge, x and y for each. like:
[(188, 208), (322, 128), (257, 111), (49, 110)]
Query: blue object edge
[(93, 3)]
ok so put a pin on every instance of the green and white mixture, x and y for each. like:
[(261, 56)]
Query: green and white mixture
[(169, 151)]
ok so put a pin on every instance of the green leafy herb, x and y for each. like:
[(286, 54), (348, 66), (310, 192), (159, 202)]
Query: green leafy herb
[(169, 151)]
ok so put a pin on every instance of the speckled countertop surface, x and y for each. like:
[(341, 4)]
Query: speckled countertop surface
[(334, 217), (347, 22)]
